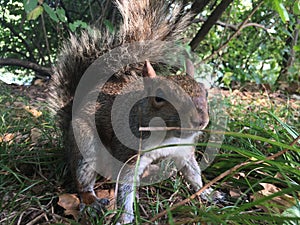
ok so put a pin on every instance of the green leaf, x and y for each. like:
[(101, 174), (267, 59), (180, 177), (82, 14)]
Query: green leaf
[(297, 48), (279, 7), (61, 15), (72, 27), (51, 12), (227, 78), (296, 7), (34, 14), (29, 5), (76, 24)]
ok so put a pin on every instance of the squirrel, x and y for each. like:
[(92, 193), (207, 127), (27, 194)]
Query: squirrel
[(86, 121)]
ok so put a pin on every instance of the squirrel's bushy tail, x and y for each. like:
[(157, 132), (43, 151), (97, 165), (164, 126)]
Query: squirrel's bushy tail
[(143, 20), (151, 20)]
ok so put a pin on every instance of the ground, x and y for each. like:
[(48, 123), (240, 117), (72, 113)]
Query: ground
[(260, 123)]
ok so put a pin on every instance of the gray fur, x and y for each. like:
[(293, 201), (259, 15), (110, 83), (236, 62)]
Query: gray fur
[(146, 21)]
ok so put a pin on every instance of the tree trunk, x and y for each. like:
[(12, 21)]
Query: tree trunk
[(212, 19)]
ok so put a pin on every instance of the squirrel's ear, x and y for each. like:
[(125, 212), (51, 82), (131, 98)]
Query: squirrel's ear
[(190, 69), (148, 70)]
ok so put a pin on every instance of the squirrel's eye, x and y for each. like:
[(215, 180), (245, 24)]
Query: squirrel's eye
[(159, 99), (159, 96)]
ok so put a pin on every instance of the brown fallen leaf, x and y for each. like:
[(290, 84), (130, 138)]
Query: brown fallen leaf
[(8, 138), (33, 111), (235, 193), (239, 175), (277, 204), (268, 189), (70, 202), (109, 194), (35, 135), (72, 212)]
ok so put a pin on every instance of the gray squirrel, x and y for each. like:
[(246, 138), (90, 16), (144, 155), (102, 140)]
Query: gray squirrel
[(87, 123)]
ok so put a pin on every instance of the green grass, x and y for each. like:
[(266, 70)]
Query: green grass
[(31, 172)]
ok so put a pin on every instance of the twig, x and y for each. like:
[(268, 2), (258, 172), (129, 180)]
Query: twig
[(20, 218), (232, 26), (221, 176), (167, 129), (36, 219), (242, 25), (45, 36)]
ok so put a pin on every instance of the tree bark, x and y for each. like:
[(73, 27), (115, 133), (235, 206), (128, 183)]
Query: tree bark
[(212, 19), (198, 6)]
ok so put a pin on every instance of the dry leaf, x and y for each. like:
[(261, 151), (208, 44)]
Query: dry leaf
[(70, 202), (238, 175), (235, 193), (72, 212), (35, 135), (279, 176), (33, 111), (278, 203), (8, 138), (109, 194)]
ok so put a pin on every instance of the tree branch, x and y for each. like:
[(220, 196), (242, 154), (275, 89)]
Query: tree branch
[(45, 36), (198, 6), (243, 24), (231, 26), (44, 71), (212, 19)]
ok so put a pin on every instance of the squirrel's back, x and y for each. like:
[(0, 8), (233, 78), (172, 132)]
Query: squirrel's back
[(143, 20)]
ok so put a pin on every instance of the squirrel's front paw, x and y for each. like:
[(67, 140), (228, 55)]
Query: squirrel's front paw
[(211, 195), (97, 205), (100, 204)]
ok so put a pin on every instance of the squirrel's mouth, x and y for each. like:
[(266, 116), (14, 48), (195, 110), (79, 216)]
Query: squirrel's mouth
[(203, 125), (177, 132)]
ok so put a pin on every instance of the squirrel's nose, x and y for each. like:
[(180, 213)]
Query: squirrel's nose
[(203, 124), (200, 120), (196, 120)]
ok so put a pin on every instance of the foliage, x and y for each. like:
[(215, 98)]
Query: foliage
[(261, 51), (34, 30), (262, 47)]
